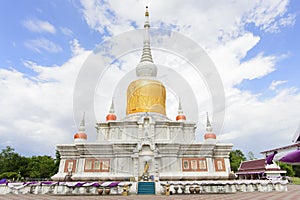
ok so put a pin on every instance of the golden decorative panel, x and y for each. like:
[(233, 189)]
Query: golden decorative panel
[(146, 95)]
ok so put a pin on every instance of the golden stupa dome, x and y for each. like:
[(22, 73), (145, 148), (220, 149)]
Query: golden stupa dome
[(146, 95)]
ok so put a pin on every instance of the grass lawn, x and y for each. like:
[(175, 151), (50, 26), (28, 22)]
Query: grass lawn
[(295, 180)]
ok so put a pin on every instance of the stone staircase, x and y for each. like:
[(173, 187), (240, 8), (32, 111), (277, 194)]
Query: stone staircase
[(146, 188)]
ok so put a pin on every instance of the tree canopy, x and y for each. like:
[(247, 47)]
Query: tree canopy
[(14, 166), (236, 157)]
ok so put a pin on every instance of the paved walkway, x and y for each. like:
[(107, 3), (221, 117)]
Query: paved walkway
[(292, 194)]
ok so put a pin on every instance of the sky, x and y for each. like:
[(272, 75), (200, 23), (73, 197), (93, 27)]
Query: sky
[(253, 44)]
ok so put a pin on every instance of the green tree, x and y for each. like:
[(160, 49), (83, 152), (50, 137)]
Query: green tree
[(41, 167), (288, 168), (296, 169), (236, 157), (10, 161), (57, 162), (14, 166), (23, 163), (9, 175)]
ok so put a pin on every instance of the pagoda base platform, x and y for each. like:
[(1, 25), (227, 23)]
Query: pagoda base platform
[(116, 188)]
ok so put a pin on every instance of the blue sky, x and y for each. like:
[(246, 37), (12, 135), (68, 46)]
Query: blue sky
[(60, 14), (284, 42), (42, 41)]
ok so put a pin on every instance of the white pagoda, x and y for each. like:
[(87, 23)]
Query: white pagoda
[(145, 145)]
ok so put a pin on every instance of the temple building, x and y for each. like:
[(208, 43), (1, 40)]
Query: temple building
[(289, 154), (259, 169), (145, 145)]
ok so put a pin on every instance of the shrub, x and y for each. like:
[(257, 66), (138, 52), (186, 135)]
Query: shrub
[(9, 175)]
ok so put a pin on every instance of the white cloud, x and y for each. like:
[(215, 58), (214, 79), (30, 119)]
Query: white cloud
[(39, 26), (36, 112), (270, 16), (202, 21), (258, 125), (101, 17), (66, 31), (287, 21), (75, 47), (227, 58), (42, 44), (257, 67), (274, 84)]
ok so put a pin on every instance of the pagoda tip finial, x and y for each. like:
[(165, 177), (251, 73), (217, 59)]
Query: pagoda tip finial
[(82, 124), (146, 13), (180, 111), (112, 107), (83, 120), (208, 124), (207, 120), (111, 115)]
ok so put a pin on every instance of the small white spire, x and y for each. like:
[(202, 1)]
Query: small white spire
[(180, 117), (146, 67), (208, 124), (112, 107), (180, 110), (82, 124)]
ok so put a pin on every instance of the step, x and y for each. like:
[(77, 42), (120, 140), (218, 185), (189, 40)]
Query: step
[(146, 188)]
